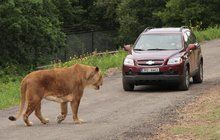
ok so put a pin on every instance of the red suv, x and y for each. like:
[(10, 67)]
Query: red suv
[(163, 55)]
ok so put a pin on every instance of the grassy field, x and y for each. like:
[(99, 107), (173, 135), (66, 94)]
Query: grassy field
[(200, 120), (104, 62), (9, 89), (9, 94), (208, 34)]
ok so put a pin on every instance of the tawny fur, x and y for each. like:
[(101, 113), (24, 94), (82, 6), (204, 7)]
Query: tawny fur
[(61, 85)]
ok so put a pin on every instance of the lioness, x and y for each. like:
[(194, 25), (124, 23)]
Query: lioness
[(61, 85)]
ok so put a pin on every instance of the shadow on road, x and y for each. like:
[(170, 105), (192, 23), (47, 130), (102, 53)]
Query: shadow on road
[(165, 88)]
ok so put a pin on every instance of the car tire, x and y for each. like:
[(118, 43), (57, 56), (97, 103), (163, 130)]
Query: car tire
[(184, 83), (127, 86), (198, 78)]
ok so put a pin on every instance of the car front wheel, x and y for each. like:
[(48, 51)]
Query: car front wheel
[(184, 83), (127, 86)]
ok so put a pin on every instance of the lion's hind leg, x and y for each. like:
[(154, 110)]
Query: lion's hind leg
[(39, 115), (30, 108), (33, 100)]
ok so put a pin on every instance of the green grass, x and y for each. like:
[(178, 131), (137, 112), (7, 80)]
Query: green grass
[(202, 131), (9, 94), (104, 62), (212, 116), (179, 130), (208, 34)]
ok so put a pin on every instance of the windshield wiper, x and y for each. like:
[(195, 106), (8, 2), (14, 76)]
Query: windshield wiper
[(139, 50)]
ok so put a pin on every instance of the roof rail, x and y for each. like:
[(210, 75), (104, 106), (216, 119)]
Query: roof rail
[(148, 28), (183, 27)]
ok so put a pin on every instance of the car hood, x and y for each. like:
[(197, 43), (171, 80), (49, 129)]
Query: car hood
[(140, 55)]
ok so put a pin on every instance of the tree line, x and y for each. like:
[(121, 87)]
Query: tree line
[(29, 27)]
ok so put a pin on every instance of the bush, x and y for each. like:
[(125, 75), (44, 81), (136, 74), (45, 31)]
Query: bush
[(28, 29), (104, 62), (208, 34)]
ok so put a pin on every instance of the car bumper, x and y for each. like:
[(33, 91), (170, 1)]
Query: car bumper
[(151, 79)]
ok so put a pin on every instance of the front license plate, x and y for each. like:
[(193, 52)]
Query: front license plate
[(150, 70)]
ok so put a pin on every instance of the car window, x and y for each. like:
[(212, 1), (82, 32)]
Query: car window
[(186, 37), (159, 41), (189, 38)]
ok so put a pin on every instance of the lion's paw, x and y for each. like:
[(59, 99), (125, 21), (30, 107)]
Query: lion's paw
[(29, 124), (46, 120), (60, 118), (78, 121)]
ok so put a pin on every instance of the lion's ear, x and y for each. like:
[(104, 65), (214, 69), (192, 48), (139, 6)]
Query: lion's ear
[(97, 69), (91, 74)]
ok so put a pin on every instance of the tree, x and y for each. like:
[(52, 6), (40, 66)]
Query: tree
[(103, 14), (195, 13), (135, 15), (28, 28), (88, 14), (70, 12)]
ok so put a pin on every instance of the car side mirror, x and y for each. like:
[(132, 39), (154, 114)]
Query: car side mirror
[(128, 48), (191, 47)]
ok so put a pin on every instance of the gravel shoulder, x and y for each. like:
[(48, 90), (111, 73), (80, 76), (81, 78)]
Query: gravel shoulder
[(197, 120)]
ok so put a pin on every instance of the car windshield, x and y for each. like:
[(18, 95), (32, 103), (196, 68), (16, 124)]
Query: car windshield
[(159, 42)]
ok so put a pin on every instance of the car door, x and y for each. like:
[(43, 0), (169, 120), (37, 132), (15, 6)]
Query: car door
[(191, 53)]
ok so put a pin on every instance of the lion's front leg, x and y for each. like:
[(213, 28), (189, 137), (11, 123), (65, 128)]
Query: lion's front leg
[(63, 114), (75, 107)]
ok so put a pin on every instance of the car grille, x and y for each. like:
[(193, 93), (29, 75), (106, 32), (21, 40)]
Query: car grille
[(155, 62)]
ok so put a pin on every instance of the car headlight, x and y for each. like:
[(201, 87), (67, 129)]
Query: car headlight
[(129, 62), (173, 61)]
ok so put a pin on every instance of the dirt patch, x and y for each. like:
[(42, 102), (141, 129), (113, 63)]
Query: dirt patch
[(198, 120), (112, 71)]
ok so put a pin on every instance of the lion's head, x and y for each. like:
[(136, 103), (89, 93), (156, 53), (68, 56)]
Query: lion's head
[(94, 78)]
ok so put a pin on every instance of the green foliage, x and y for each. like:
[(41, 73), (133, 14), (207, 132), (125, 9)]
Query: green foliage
[(87, 14), (103, 14), (208, 34), (70, 12), (33, 29), (104, 62), (11, 73), (9, 94), (28, 29), (135, 15), (202, 13)]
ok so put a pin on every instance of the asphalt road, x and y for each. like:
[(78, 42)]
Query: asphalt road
[(111, 113)]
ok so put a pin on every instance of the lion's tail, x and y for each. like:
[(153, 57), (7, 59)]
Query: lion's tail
[(22, 103)]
